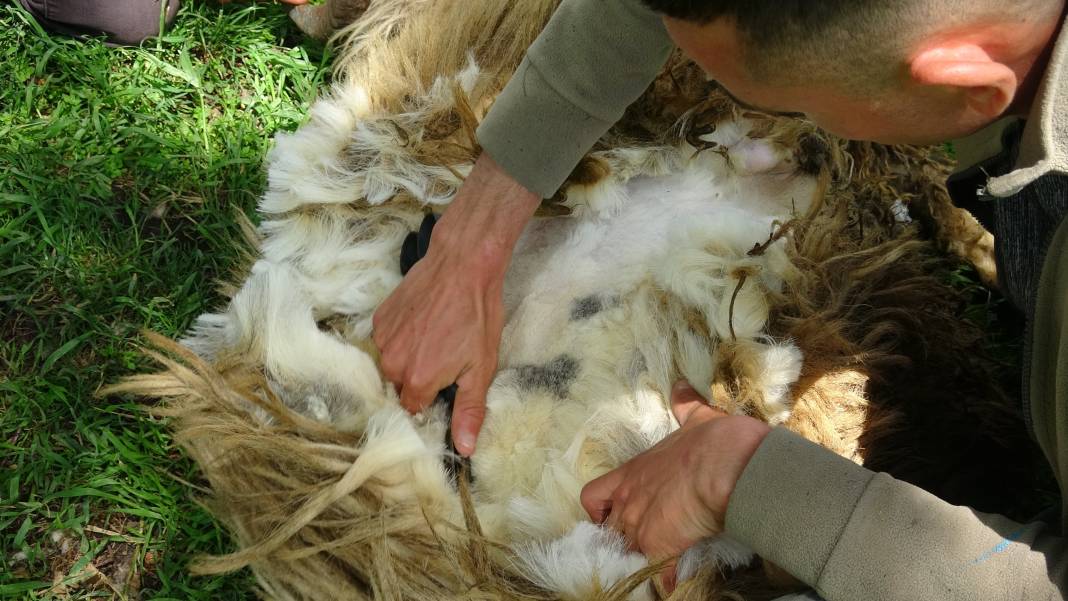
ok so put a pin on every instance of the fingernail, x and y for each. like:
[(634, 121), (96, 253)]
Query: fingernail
[(465, 442), (682, 387)]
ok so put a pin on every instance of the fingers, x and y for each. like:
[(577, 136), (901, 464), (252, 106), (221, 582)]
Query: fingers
[(687, 404), (417, 394), (417, 390), (597, 495), (468, 413), (684, 401), (390, 362), (417, 387), (600, 510)]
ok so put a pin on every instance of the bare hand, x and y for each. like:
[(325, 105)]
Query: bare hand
[(443, 323), (676, 493)]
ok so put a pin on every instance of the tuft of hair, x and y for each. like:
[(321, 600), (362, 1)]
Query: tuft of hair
[(566, 564)]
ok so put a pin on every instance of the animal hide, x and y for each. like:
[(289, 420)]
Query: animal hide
[(773, 267)]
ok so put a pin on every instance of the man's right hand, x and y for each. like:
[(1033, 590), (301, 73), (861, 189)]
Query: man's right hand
[(443, 323)]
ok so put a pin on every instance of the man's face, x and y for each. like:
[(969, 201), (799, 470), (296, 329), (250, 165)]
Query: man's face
[(903, 113)]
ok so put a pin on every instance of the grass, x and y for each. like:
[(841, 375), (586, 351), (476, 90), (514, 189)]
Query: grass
[(121, 170)]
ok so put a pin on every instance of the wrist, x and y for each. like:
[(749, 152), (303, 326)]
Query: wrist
[(482, 225), (740, 437)]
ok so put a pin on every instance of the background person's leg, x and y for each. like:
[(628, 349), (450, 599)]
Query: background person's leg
[(122, 21)]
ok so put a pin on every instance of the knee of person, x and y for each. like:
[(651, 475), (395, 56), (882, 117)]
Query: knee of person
[(125, 22), (140, 25)]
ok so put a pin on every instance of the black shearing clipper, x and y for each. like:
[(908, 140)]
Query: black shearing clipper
[(415, 246)]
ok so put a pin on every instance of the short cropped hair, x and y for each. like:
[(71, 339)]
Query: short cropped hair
[(861, 44)]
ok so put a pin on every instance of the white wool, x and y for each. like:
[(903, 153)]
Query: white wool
[(623, 429), (577, 566), (301, 162), (742, 310), (467, 78), (294, 348), (552, 509), (695, 360), (676, 230), (347, 154), (653, 415), (721, 553), (609, 194), (337, 276), (605, 196), (749, 156), (398, 464), (728, 134), (211, 334), (614, 433), (271, 320), (901, 211), (758, 156), (515, 441), (708, 264), (773, 367)]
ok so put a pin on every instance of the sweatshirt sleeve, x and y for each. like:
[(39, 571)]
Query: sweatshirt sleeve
[(854, 534), (594, 58)]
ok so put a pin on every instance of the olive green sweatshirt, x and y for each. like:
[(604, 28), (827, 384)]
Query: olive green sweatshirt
[(850, 533)]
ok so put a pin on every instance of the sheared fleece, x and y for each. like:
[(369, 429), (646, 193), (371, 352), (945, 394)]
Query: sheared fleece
[(845, 530)]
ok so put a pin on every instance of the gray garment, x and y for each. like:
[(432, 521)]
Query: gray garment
[(125, 22), (1024, 224), (593, 59)]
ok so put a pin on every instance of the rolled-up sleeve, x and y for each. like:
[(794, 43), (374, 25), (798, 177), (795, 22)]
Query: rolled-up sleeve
[(594, 58), (851, 533)]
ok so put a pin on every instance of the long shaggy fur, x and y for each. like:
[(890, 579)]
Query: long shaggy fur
[(762, 260)]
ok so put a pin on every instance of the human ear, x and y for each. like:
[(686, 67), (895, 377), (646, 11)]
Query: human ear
[(987, 85)]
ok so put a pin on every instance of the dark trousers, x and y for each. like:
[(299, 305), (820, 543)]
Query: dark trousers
[(122, 21)]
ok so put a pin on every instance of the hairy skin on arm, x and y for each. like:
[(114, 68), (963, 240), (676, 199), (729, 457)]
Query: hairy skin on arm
[(443, 323), (676, 493)]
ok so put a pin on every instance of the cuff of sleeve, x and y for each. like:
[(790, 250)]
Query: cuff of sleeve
[(536, 135), (793, 501)]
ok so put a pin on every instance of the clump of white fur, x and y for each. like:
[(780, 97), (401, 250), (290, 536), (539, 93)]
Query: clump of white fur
[(720, 553), (587, 560)]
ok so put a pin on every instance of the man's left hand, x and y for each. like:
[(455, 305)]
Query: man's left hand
[(676, 493)]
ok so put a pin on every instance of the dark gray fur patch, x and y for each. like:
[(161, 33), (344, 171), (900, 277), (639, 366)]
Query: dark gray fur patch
[(555, 376), (588, 306)]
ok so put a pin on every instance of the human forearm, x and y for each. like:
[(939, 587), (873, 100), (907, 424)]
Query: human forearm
[(481, 226), (854, 534), (593, 59)]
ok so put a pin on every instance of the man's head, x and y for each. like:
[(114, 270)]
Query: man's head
[(895, 71)]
